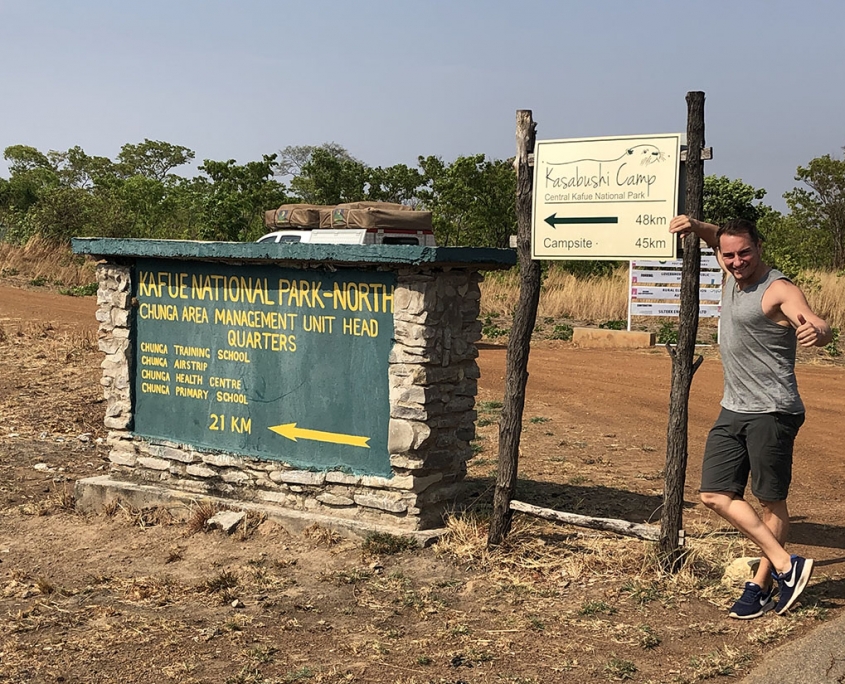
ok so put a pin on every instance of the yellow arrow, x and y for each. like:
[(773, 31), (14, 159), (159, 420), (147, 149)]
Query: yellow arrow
[(290, 431)]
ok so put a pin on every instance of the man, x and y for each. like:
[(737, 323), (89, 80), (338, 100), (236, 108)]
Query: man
[(763, 316)]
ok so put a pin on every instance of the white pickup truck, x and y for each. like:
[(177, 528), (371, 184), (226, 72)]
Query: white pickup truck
[(352, 236)]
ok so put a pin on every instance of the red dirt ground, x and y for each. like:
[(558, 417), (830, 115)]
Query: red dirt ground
[(128, 596)]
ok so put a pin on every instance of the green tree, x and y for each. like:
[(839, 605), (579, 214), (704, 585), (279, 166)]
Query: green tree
[(76, 169), (472, 200), (31, 175), (62, 213), (329, 178), (819, 208), (726, 199), (292, 158), (63, 194), (234, 197), (789, 247), (399, 184), (24, 158), (152, 159)]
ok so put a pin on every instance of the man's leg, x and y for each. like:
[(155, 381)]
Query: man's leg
[(776, 517), (739, 513), (761, 444)]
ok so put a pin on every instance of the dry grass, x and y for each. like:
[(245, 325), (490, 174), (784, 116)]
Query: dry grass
[(200, 515), (251, 522), (538, 557), (152, 516), (322, 536), (563, 296), (826, 296), (39, 259), (595, 300), (61, 499), (60, 347)]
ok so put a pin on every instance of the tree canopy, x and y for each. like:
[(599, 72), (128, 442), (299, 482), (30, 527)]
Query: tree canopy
[(139, 193), (726, 199), (819, 207)]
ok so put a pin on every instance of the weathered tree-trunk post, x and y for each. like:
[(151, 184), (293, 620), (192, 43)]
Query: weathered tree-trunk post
[(683, 366), (510, 424)]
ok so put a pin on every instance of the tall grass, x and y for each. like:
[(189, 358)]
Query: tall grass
[(826, 296), (606, 298), (562, 295), (43, 260)]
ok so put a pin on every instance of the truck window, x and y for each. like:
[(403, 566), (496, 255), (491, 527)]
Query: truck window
[(390, 240)]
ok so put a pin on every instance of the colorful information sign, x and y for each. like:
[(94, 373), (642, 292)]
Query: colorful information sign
[(280, 364), (655, 287), (605, 198)]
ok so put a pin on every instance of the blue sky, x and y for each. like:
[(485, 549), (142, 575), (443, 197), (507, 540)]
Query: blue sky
[(394, 80)]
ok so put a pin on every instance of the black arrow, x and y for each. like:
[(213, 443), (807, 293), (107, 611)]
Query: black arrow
[(554, 221)]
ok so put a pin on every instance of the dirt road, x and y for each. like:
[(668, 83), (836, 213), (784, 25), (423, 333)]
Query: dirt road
[(625, 394), (596, 393), (133, 596), (35, 305)]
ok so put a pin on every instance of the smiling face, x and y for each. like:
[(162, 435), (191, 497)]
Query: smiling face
[(742, 258)]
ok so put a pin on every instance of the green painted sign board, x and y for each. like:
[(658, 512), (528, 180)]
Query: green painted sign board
[(275, 363)]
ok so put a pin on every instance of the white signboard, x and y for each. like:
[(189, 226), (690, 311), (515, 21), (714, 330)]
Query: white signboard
[(671, 277), (605, 198), (650, 309), (707, 294), (654, 287), (709, 262)]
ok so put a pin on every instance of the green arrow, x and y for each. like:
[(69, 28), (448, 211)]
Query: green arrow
[(554, 221)]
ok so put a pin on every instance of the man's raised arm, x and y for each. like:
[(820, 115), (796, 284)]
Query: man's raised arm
[(683, 224)]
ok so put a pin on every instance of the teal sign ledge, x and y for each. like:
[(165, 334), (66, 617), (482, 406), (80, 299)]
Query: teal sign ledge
[(379, 255)]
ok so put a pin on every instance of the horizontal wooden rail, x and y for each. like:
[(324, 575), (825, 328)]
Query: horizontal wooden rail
[(629, 529)]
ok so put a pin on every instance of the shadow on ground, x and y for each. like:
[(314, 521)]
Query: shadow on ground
[(824, 592), (594, 500), (816, 534)]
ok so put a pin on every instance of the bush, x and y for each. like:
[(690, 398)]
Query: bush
[(80, 290), (491, 329), (668, 333), (561, 332), (382, 543), (832, 348), (614, 325)]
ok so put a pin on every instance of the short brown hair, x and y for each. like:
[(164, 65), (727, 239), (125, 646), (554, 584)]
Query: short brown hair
[(740, 227)]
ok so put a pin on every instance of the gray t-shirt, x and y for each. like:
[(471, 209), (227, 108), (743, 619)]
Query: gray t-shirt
[(758, 355)]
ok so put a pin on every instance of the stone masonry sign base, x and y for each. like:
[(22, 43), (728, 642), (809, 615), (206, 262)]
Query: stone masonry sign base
[(395, 380), (95, 494)]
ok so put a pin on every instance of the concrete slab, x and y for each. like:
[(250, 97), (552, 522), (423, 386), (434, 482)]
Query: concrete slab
[(815, 658), (227, 521), (95, 493), (599, 338)]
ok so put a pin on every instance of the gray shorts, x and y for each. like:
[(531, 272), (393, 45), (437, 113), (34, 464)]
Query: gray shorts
[(759, 443)]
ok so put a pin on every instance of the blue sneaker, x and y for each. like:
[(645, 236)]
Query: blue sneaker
[(753, 603), (792, 583)]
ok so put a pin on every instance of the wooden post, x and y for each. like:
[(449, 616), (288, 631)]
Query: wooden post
[(683, 366), (519, 343)]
